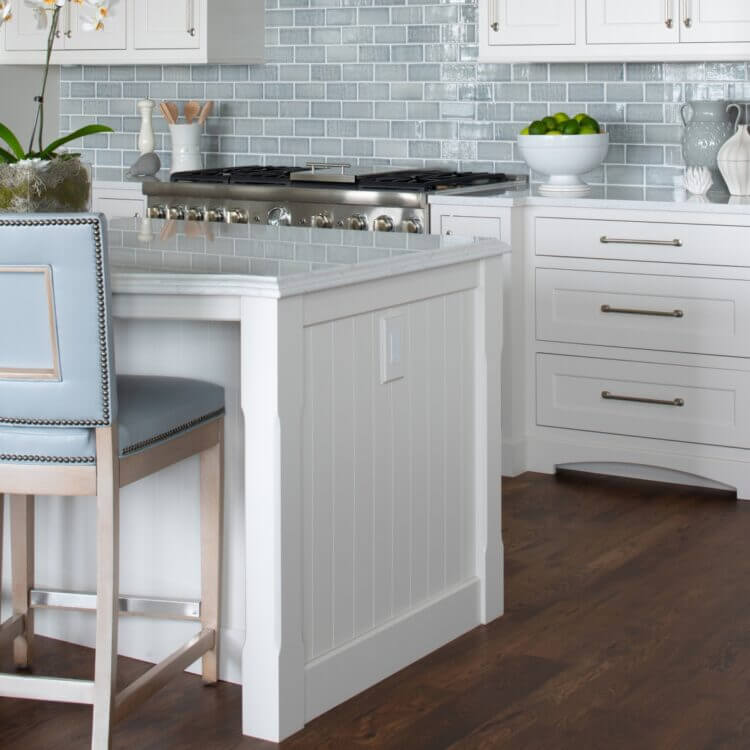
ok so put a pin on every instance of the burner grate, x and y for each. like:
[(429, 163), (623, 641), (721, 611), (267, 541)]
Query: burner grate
[(251, 175), (429, 180)]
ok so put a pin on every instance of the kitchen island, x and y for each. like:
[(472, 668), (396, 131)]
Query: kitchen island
[(362, 526)]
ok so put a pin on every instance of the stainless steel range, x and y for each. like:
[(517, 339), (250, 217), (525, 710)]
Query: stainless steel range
[(320, 195)]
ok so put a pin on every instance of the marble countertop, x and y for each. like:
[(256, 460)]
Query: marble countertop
[(151, 255), (613, 196)]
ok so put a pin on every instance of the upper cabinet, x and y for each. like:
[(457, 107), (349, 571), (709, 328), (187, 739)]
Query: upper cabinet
[(150, 32), (167, 24), (516, 22), (613, 30)]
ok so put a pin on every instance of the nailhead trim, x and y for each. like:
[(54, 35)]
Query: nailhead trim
[(5, 457), (171, 433), (102, 318)]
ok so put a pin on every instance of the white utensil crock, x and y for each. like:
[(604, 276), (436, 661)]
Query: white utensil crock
[(186, 147)]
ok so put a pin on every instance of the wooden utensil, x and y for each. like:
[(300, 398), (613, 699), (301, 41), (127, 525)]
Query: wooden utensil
[(174, 111), (208, 108), (192, 110), (167, 113)]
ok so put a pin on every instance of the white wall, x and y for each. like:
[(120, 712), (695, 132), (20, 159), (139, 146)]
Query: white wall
[(20, 84)]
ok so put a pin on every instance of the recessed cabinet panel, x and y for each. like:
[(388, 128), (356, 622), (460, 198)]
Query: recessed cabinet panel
[(715, 21), (23, 32), (514, 22), (112, 36), (486, 227), (634, 22), (167, 24)]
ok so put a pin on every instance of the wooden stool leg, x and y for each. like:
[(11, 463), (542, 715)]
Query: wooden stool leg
[(212, 500), (107, 584), (22, 565)]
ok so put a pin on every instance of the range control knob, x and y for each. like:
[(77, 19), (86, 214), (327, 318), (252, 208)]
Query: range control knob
[(322, 220), (194, 214), (176, 213), (279, 217), (383, 224), (413, 225), (157, 212), (357, 222), (213, 214), (237, 216)]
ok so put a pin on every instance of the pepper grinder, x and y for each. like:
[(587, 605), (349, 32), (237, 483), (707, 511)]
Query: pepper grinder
[(146, 137)]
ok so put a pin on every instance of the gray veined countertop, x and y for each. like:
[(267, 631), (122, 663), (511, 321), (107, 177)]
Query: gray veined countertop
[(151, 255), (601, 196)]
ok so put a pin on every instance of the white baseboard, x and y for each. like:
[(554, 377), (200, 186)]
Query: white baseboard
[(514, 457), (339, 675)]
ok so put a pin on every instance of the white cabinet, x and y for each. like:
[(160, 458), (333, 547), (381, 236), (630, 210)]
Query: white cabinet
[(634, 22), (146, 32), (167, 24), (516, 22), (706, 21), (463, 225), (118, 200), (520, 31)]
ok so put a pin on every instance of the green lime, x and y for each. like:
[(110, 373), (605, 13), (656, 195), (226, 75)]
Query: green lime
[(571, 127), (537, 128), (560, 117), (591, 123), (580, 116), (588, 130), (554, 132), (550, 123), (525, 131)]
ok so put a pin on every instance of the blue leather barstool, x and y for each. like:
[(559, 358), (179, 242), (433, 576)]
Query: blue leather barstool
[(70, 426)]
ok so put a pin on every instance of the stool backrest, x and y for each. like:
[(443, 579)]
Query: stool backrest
[(56, 354)]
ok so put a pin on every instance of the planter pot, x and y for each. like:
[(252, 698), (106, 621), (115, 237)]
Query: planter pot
[(35, 186)]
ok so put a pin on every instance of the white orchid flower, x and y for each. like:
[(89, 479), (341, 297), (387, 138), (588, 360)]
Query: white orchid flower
[(6, 12), (41, 7), (95, 15)]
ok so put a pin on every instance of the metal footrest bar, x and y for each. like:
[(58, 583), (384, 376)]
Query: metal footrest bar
[(136, 606)]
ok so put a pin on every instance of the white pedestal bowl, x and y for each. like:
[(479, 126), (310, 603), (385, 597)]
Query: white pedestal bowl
[(564, 158)]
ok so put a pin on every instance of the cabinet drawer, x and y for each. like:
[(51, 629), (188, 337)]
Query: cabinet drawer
[(670, 313), (672, 402), (487, 227), (643, 240)]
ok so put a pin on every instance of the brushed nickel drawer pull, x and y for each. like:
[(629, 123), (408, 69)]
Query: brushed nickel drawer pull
[(633, 311), (619, 241), (660, 402)]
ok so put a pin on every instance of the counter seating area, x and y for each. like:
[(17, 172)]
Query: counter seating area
[(70, 426)]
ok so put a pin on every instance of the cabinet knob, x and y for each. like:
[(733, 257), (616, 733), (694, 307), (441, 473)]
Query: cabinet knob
[(192, 31), (495, 26), (448, 232)]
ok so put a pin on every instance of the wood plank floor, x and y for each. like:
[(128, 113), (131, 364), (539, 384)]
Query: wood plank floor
[(627, 626)]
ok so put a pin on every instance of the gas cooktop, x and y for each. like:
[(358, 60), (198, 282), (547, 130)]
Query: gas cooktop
[(341, 175)]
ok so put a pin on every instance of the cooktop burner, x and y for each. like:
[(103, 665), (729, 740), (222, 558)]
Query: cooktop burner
[(411, 180)]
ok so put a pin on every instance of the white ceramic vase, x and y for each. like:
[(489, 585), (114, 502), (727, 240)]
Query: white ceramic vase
[(734, 159)]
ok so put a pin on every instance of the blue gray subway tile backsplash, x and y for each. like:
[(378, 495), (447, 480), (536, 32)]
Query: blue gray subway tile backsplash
[(383, 82)]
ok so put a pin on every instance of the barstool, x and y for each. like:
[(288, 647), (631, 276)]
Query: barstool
[(70, 426)]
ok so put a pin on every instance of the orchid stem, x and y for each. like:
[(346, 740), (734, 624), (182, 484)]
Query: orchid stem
[(39, 121)]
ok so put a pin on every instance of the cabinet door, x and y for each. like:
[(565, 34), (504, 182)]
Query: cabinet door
[(23, 33), (633, 22), (715, 20), (112, 36), (514, 22), (167, 24)]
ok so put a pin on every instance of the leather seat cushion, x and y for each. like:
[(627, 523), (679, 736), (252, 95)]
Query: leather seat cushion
[(151, 410)]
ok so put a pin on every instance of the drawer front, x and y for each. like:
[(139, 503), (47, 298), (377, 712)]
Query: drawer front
[(487, 227), (643, 240), (670, 402), (669, 313)]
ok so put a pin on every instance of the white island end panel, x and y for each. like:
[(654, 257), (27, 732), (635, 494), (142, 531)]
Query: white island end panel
[(388, 498)]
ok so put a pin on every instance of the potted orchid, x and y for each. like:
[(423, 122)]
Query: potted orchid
[(42, 178)]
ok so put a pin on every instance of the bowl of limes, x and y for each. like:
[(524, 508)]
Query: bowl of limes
[(564, 148)]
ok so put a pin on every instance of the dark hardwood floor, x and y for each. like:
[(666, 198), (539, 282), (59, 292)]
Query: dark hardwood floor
[(627, 625)]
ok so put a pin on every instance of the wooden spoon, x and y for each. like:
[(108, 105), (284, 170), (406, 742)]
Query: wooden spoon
[(167, 112), (208, 108), (192, 110), (172, 107)]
